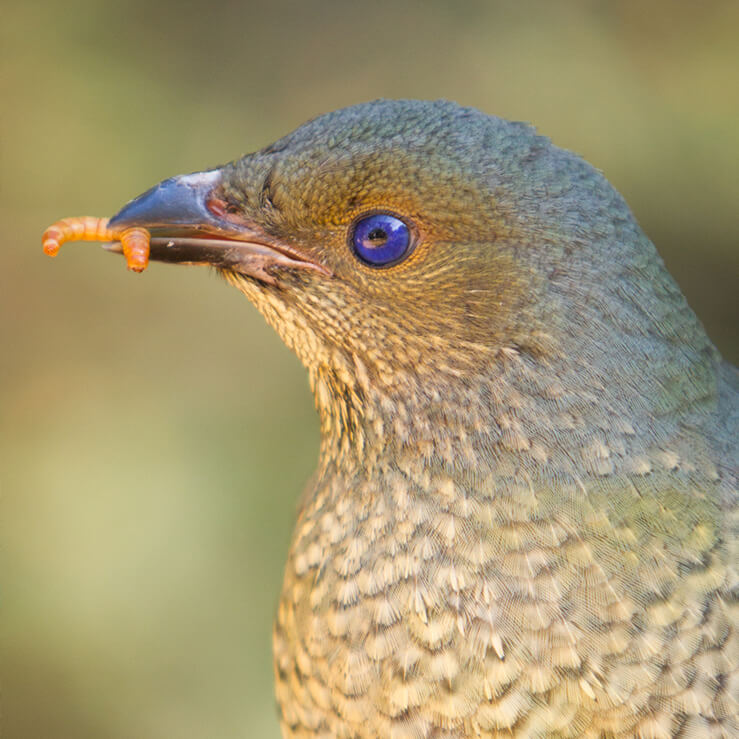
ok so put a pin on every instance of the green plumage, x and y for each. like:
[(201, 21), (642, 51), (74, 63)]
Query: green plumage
[(524, 516)]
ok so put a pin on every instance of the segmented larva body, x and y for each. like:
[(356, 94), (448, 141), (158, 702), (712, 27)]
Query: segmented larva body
[(134, 241)]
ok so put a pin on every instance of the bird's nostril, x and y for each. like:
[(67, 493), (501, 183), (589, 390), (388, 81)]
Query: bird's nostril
[(217, 206)]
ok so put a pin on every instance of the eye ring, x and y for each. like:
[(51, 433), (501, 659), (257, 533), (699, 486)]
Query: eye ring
[(380, 238)]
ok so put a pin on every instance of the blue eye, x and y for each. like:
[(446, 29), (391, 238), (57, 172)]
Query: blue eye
[(381, 239)]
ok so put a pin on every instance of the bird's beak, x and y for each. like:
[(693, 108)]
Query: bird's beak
[(188, 225)]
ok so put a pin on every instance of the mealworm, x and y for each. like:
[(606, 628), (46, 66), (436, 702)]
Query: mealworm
[(134, 241)]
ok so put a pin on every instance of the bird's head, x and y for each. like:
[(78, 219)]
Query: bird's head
[(414, 246)]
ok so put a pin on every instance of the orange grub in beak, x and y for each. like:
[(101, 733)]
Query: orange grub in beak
[(134, 241)]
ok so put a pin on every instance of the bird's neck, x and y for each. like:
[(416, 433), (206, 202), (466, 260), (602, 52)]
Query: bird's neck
[(545, 415)]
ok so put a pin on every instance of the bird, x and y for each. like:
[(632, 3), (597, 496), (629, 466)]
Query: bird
[(523, 521)]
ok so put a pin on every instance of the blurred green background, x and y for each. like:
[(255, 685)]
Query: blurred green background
[(154, 433)]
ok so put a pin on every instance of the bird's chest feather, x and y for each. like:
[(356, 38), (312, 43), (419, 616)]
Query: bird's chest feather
[(454, 608)]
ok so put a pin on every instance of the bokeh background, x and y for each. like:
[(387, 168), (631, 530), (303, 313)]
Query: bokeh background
[(154, 433)]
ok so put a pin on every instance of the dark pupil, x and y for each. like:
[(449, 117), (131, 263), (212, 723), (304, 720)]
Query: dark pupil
[(378, 236)]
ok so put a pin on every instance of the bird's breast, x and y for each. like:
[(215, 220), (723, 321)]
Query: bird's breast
[(408, 609)]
